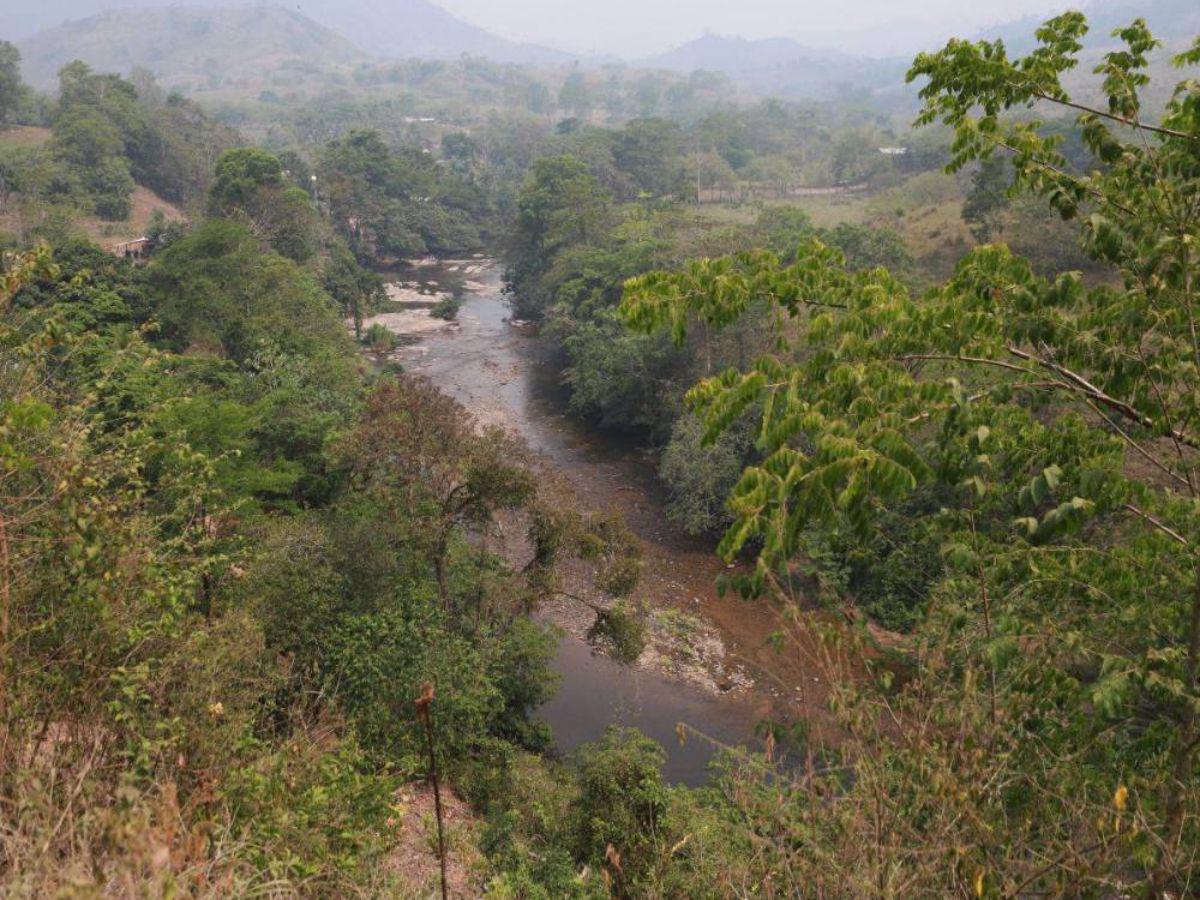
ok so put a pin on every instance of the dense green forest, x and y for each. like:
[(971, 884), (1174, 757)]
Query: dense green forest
[(934, 408)]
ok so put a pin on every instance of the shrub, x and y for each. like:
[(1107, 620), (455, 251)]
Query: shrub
[(380, 339), (699, 476), (622, 801), (446, 308), (621, 631)]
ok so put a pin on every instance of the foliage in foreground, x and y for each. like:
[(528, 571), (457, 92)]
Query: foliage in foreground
[(228, 562), (228, 558), (1044, 729)]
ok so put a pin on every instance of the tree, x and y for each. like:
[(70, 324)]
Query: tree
[(250, 186), (538, 99), (12, 91), (356, 289), (420, 453), (715, 175), (575, 95), (700, 476), (648, 92), (866, 248), (649, 150), (462, 151), (561, 204), (90, 145), (855, 156), (1047, 429), (782, 229), (988, 197), (112, 186), (777, 171), (396, 204), (84, 138), (240, 175), (617, 379), (102, 125), (218, 291)]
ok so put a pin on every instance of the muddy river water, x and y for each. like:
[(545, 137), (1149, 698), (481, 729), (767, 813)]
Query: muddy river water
[(494, 368)]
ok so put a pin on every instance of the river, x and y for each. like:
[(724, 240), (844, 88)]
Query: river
[(494, 368)]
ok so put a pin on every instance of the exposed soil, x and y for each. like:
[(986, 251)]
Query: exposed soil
[(413, 860)]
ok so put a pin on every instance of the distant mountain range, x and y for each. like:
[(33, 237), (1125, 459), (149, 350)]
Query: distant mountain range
[(186, 43), (780, 65), (419, 28), (1170, 20), (732, 54), (791, 68), (388, 29)]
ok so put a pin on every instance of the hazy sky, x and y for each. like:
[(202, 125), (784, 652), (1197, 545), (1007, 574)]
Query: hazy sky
[(648, 26)]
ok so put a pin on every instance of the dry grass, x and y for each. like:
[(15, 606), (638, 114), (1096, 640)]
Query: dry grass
[(414, 862), (926, 210), (144, 204), (24, 136)]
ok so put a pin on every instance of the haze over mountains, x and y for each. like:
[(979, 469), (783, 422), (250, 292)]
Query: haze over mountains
[(385, 28), (186, 44), (789, 67), (1169, 19), (781, 66)]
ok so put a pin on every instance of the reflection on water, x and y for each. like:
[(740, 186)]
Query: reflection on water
[(596, 692), (492, 368)]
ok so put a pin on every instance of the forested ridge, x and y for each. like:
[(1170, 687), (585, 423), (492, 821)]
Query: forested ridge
[(264, 592)]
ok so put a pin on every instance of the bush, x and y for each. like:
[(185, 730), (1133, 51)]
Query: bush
[(621, 631), (380, 339), (621, 804), (700, 477), (447, 308), (616, 378)]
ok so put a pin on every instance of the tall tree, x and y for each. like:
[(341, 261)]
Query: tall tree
[(988, 197), (11, 89), (250, 186), (575, 95), (649, 150), (561, 204)]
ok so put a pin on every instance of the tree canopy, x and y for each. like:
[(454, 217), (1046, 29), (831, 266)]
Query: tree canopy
[(1048, 426)]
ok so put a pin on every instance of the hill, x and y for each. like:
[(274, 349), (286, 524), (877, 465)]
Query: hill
[(1170, 20), (406, 28), (391, 29), (782, 66), (731, 54), (187, 44), (792, 69), (144, 203)]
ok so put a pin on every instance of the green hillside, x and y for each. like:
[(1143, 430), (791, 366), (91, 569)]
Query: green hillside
[(189, 47)]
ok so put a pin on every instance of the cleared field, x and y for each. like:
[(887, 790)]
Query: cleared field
[(926, 210), (24, 136)]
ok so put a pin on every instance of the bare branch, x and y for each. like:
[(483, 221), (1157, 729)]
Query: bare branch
[(1113, 117), (1157, 523)]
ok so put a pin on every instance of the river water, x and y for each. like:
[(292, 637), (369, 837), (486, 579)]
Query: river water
[(493, 367)]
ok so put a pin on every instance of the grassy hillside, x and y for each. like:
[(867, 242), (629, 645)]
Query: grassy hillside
[(16, 219), (189, 48)]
